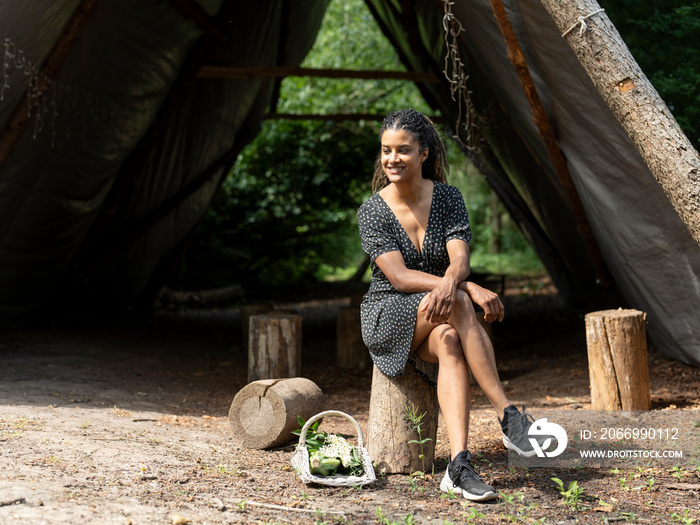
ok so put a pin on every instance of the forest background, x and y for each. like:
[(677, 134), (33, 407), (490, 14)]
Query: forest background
[(286, 214)]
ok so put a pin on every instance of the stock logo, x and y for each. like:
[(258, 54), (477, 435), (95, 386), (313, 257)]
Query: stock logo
[(542, 427)]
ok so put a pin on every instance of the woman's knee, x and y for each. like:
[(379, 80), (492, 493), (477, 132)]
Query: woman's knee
[(463, 304), (447, 340)]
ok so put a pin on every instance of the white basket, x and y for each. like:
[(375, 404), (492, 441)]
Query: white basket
[(300, 459)]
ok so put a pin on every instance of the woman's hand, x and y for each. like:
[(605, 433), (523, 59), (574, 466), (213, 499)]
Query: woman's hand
[(489, 301), (440, 301)]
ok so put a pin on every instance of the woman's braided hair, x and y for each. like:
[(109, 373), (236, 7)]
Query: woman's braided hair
[(422, 128)]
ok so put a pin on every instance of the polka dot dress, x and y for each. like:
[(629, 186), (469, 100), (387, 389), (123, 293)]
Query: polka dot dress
[(389, 316)]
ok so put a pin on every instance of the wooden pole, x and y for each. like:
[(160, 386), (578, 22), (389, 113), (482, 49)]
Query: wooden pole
[(646, 119), (247, 73), (617, 360), (546, 130)]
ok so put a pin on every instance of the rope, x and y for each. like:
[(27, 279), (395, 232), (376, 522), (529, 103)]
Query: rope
[(581, 20), (456, 75)]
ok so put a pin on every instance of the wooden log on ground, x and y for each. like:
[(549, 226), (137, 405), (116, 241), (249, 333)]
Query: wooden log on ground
[(389, 432), (617, 360), (264, 413), (350, 351), (274, 348)]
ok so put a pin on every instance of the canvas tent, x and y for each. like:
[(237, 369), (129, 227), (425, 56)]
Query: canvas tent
[(104, 181)]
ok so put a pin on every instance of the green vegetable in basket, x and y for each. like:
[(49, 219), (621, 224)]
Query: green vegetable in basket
[(330, 454), (323, 466)]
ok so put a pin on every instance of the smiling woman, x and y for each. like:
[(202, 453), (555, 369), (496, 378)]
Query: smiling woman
[(420, 305)]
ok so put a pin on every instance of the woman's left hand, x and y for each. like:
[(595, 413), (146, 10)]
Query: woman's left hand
[(441, 299), (488, 300)]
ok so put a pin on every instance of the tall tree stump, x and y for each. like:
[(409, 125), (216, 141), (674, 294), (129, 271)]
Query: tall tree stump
[(350, 351), (274, 348), (247, 311), (617, 360), (264, 413), (389, 432)]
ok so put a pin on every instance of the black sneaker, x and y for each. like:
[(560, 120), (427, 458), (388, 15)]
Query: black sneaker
[(515, 427), (462, 478)]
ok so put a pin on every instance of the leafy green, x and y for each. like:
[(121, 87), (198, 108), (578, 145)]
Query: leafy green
[(330, 454)]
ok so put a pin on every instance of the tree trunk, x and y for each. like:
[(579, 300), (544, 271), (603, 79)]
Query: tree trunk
[(617, 360), (389, 432), (668, 153), (264, 413), (274, 349)]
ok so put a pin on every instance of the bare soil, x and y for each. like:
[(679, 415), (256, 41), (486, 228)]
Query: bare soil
[(125, 422)]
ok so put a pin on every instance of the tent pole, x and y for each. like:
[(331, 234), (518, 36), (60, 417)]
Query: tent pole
[(201, 18), (644, 116), (22, 114), (544, 126)]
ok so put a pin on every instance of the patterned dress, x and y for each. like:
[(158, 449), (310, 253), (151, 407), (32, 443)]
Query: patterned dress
[(389, 316)]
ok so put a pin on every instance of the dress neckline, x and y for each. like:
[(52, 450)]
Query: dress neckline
[(418, 249)]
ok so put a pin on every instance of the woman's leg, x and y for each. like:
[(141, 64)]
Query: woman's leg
[(478, 351), (474, 344), (442, 346)]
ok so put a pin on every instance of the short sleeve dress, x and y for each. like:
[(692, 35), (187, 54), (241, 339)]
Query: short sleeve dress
[(389, 316)]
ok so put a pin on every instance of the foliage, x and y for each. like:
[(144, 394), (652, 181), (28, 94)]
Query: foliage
[(329, 454), (663, 39), (411, 415), (572, 495)]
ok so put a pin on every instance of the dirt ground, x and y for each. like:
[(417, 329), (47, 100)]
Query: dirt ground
[(126, 423)]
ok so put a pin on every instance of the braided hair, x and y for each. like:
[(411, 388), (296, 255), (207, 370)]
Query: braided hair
[(422, 128)]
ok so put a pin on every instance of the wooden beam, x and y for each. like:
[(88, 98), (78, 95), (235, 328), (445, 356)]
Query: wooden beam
[(247, 73), (201, 18), (22, 114), (546, 131), (335, 117)]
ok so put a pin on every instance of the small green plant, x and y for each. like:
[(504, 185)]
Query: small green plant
[(474, 515), (678, 472), (572, 495), (683, 518), (628, 516), (411, 415), (449, 494)]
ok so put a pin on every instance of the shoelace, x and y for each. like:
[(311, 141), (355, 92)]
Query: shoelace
[(465, 471), (516, 425)]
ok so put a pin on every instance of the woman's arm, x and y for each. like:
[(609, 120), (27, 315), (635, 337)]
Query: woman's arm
[(442, 289)]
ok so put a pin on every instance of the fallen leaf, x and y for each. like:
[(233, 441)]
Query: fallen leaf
[(179, 520)]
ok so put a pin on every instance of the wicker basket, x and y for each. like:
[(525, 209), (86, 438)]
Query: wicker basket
[(300, 459)]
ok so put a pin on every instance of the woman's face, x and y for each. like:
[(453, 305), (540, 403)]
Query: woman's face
[(401, 156)]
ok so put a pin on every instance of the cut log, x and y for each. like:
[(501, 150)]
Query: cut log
[(264, 413), (617, 360), (274, 349), (389, 432), (351, 352)]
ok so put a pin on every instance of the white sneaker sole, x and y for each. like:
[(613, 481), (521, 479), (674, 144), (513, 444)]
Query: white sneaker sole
[(446, 485), (522, 453)]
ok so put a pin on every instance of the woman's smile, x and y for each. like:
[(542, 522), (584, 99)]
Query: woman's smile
[(401, 157)]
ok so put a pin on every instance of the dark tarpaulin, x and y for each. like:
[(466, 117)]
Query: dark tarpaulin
[(127, 149)]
